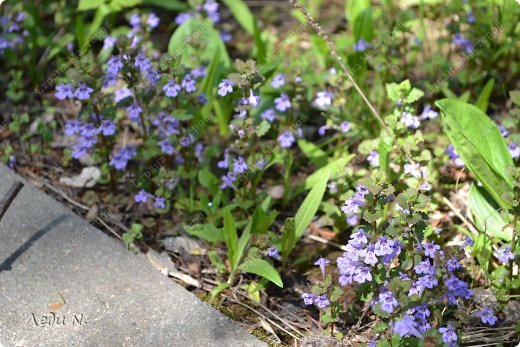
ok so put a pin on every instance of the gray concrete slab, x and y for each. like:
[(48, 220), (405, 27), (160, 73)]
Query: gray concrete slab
[(113, 297)]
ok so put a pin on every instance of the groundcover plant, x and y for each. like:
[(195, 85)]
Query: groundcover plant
[(328, 172)]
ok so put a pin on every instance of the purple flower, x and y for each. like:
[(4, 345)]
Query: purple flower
[(225, 87), (283, 103), (456, 288), (286, 140), (134, 111), (166, 147), (225, 36), (468, 242), (211, 8), (503, 131), (412, 169), (322, 130), (362, 274), (462, 42), (514, 149), (83, 92), (159, 202), (143, 196), (253, 99), (172, 89), (428, 281), (109, 42), (361, 45), (73, 127), (416, 289), (406, 327), (505, 255), (273, 253), (410, 120), (182, 17), (373, 159), (344, 126), (322, 262), (449, 334), (425, 268), (430, 249), (223, 164), (471, 17), (323, 99), (278, 81), (152, 21), (370, 255), (142, 62), (64, 91), (199, 72), (308, 298), (115, 64), (12, 162), (322, 301), (360, 237), (428, 113), (107, 127), (487, 316), (189, 84), (121, 94), (227, 180), (388, 302), (120, 158), (240, 165), (452, 264), (186, 141), (269, 115), (135, 21), (384, 246)]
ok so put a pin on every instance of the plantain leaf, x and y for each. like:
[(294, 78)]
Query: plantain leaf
[(262, 268), (231, 238), (242, 14), (310, 205), (479, 143), (207, 232), (486, 214), (315, 154), (483, 98)]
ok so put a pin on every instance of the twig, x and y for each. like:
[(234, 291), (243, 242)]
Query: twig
[(327, 242), (8, 199), (461, 217)]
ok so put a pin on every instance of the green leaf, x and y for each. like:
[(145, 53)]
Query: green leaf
[(333, 167), (383, 149), (208, 180), (100, 15), (231, 238), (262, 268), (242, 14), (483, 98), (310, 205), (363, 25), (172, 5), (354, 8), (207, 232), (486, 214), (260, 46), (479, 143), (315, 154), (85, 5), (262, 220), (186, 41), (288, 239)]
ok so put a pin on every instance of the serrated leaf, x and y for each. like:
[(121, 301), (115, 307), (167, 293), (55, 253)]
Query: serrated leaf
[(262, 268), (478, 142), (262, 128)]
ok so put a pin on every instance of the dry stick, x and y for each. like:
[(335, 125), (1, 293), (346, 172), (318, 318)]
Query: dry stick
[(8, 199)]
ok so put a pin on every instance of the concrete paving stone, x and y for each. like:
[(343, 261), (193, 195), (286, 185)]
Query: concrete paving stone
[(113, 297)]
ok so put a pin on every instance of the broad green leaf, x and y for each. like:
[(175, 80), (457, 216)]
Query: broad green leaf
[(333, 167), (85, 5), (207, 232), (242, 14), (196, 40), (218, 289), (262, 220), (260, 46), (486, 214), (310, 205), (479, 143), (262, 268), (354, 8), (315, 154), (172, 5), (100, 15), (385, 145), (231, 238), (208, 180), (483, 98), (288, 239), (118, 5), (363, 25)]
